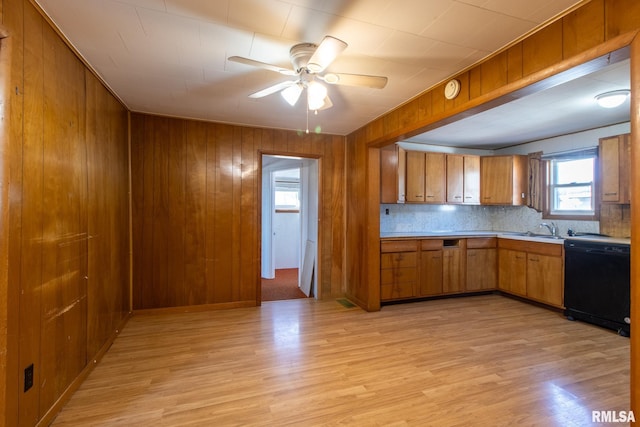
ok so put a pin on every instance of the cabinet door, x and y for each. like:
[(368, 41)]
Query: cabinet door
[(481, 269), (472, 180), (503, 180), (545, 279), (512, 271), (455, 178), (496, 180), (392, 175), (431, 273), (415, 176), (451, 270), (434, 178), (614, 169)]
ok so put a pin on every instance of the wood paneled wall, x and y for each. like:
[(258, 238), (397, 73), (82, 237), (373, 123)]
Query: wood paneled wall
[(196, 210), (68, 263)]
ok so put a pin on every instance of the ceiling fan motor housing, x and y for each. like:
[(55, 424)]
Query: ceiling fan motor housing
[(300, 55)]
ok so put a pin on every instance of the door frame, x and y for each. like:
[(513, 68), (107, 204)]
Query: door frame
[(318, 257)]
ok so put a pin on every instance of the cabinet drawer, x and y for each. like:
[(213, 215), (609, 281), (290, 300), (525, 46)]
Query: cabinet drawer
[(397, 291), (552, 249), (398, 260), (397, 275), (431, 244), (399, 246), (482, 243)]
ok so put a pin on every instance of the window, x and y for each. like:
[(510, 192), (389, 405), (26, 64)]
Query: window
[(570, 183), (287, 191)]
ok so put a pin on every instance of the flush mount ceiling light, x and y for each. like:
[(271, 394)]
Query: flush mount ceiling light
[(612, 99)]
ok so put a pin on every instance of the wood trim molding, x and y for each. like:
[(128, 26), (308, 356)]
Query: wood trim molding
[(195, 308)]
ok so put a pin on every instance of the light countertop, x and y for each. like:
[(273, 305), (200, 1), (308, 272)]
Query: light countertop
[(502, 234)]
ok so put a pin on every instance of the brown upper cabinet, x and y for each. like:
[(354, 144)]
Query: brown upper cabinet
[(615, 169), (503, 180), (463, 179), (426, 178), (392, 174)]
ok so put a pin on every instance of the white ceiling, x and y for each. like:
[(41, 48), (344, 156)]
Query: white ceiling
[(169, 57)]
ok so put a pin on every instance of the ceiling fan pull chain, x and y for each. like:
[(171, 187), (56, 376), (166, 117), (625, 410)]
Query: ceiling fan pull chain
[(307, 111)]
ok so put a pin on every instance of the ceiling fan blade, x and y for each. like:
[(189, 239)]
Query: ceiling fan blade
[(374, 82), (272, 89), (264, 65), (325, 53), (327, 103)]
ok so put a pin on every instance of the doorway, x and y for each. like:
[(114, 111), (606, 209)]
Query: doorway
[(289, 227)]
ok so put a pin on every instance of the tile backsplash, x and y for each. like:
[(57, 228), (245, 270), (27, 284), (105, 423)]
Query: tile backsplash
[(421, 217)]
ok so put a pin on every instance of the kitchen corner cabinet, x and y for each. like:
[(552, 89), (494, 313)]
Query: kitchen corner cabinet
[(482, 264), (532, 269), (392, 174), (503, 180), (463, 179), (615, 169), (425, 177), (398, 269)]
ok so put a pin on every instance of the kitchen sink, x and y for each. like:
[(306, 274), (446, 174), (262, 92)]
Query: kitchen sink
[(532, 234)]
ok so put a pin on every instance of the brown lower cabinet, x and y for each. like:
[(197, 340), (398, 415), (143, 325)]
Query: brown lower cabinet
[(512, 271), (414, 268), (482, 264), (398, 269), (430, 267), (533, 270)]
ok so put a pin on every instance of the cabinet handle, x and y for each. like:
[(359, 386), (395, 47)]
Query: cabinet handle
[(534, 259), (469, 197), (430, 197), (519, 257), (457, 197), (487, 197), (610, 194)]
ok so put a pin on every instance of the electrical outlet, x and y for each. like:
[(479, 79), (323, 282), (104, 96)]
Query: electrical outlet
[(28, 377)]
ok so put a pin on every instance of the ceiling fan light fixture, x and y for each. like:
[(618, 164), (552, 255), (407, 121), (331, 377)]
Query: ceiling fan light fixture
[(292, 94), (612, 99), (316, 93)]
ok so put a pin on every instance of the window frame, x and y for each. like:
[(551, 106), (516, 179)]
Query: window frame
[(547, 212), (294, 186)]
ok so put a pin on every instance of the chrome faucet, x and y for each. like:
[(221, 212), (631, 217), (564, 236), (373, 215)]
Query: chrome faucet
[(552, 228)]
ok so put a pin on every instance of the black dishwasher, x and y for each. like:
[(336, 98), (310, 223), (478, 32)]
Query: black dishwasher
[(597, 283)]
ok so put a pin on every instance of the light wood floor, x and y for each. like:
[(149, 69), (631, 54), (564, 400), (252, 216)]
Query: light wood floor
[(474, 361)]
